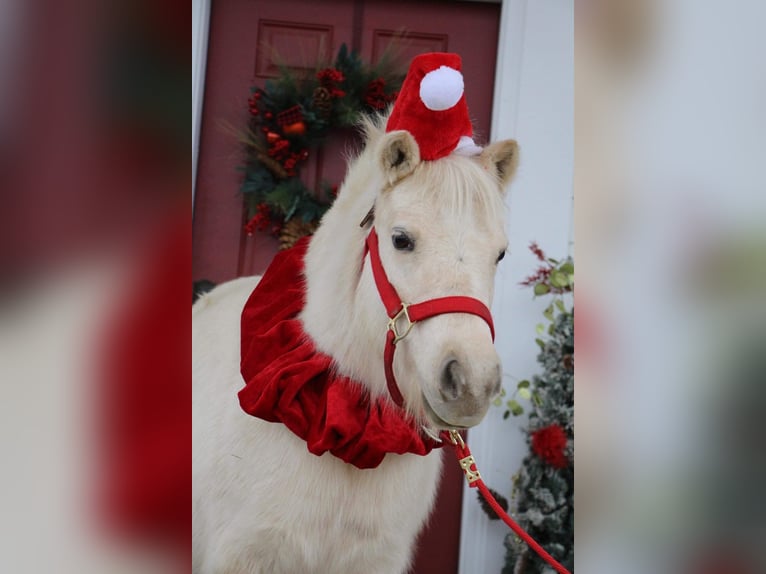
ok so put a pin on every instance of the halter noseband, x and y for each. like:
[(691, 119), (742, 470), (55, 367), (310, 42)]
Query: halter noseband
[(402, 316)]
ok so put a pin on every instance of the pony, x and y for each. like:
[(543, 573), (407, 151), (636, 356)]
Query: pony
[(261, 502)]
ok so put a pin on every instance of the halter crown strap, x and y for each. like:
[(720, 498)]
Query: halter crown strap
[(403, 316)]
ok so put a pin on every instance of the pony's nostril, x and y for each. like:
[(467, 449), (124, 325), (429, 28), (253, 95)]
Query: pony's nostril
[(452, 381)]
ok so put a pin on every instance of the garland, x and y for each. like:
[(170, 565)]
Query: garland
[(290, 118)]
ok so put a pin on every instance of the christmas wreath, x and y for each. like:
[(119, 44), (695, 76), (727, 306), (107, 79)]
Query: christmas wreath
[(288, 119)]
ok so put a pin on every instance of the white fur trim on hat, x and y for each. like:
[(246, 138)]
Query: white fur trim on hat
[(441, 89), (466, 146)]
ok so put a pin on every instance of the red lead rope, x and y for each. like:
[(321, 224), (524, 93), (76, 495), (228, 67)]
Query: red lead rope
[(402, 318), (468, 464)]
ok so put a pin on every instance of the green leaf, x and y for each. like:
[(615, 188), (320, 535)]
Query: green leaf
[(523, 384), (540, 328), (540, 343), (497, 401), (516, 408), (560, 306), (506, 414), (548, 313), (293, 207), (559, 279), (541, 289), (567, 268), (525, 394), (537, 399)]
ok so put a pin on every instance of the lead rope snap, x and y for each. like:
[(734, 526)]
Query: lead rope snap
[(472, 475)]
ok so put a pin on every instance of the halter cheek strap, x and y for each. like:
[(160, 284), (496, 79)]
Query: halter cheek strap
[(403, 316)]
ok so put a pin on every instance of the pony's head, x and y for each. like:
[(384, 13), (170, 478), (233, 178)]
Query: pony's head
[(441, 229)]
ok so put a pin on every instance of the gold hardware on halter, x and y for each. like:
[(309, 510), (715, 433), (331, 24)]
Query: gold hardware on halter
[(456, 438), (393, 322), (470, 474)]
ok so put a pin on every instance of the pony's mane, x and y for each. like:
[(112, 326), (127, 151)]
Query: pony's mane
[(467, 189)]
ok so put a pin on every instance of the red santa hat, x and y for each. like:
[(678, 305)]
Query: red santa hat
[(431, 106)]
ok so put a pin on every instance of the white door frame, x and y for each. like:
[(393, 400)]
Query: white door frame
[(200, 32)]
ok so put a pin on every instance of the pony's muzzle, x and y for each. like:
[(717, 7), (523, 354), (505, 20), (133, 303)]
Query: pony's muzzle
[(465, 393)]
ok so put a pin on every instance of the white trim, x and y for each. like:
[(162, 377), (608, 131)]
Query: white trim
[(200, 31), (508, 67)]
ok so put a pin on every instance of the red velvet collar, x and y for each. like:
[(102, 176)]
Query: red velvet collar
[(287, 380)]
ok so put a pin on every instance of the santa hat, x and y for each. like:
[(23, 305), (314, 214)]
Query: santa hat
[(431, 106)]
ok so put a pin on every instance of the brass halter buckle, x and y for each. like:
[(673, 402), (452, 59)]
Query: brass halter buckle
[(393, 324)]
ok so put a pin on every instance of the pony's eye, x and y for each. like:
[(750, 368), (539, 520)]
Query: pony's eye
[(402, 241), (500, 257)]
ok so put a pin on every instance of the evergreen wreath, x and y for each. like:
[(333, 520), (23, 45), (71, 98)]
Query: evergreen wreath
[(289, 118)]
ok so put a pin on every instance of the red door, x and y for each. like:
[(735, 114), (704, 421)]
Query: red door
[(244, 37)]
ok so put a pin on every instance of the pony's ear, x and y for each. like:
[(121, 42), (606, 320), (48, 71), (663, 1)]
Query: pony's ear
[(399, 155), (502, 158)]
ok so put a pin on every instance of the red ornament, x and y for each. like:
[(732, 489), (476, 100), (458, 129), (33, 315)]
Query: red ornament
[(304, 154), (549, 443), (291, 115), (272, 137), (296, 129), (268, 115)]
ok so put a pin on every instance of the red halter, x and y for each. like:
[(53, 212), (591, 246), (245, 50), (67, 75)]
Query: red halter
[(402, 316)]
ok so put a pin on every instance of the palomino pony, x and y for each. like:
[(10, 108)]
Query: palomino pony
[(262, 502)]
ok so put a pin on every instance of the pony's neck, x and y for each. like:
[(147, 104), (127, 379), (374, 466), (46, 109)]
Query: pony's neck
[(343, 313)]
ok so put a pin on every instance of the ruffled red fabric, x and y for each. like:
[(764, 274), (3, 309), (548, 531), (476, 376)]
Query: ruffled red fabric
[(288, 381)]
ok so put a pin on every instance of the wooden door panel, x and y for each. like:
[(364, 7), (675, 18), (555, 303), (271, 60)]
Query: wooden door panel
[(293, 44), (406, 47), (239, 56)]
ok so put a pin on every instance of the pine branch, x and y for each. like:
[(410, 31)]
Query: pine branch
[(501, 500)]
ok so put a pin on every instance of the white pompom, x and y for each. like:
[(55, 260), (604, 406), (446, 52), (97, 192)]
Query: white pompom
[(441, 89)]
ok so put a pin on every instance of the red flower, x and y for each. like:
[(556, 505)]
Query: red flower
[(376, 97), (539, 253), (549, 443), (539, 276), (260, 220), (330, 76)]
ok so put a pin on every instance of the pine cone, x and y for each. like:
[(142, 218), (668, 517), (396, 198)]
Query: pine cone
[(294, 230), (322, 101), (272, 165)]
